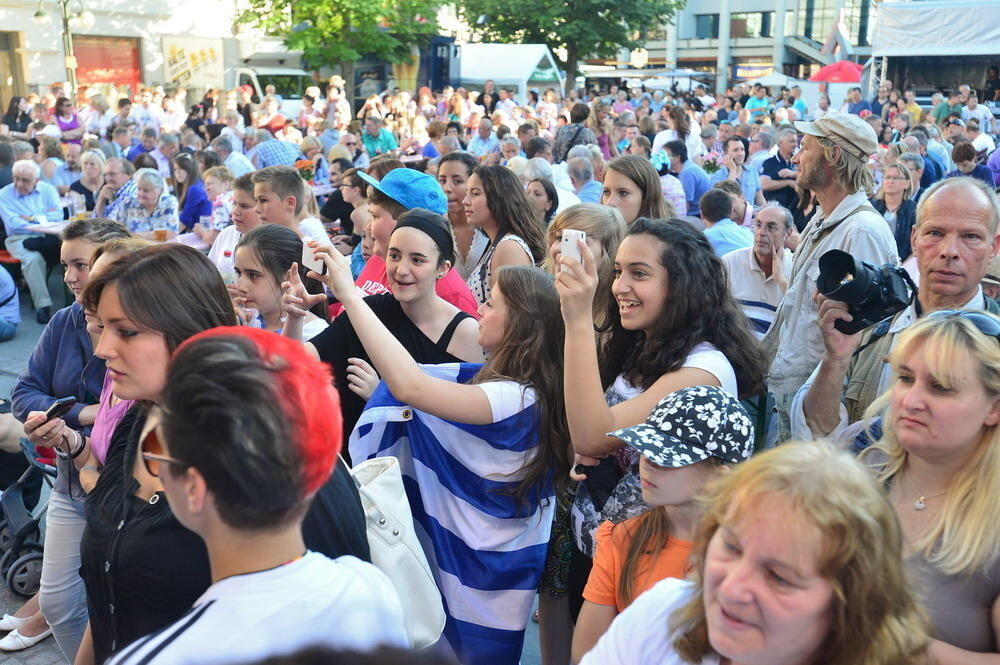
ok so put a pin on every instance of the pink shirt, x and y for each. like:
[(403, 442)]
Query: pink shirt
[(373, 281), (107, 420)]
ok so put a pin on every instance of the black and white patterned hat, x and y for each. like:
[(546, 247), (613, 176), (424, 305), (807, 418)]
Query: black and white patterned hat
[(690, 426)]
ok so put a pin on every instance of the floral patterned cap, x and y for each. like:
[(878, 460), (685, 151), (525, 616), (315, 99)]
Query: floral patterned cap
[(691, 425)]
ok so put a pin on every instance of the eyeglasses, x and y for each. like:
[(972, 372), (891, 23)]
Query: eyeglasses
[(350, 143), (151, 450), (985, 323), (897, 177)]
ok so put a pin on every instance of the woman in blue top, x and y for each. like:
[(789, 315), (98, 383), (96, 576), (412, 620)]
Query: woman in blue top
[(190, 190)]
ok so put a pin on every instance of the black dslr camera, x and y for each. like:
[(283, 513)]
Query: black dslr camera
[(871, 293)]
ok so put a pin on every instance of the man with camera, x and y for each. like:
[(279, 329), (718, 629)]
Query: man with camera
[(956, 234), (832, 165)]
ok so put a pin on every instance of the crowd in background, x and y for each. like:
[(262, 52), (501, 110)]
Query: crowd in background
[(602, 425)]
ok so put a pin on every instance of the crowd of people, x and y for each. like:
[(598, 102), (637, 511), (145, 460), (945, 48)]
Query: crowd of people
[(585, 329)]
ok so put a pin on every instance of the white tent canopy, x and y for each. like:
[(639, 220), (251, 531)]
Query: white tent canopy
[(935, 28), (519, 66)]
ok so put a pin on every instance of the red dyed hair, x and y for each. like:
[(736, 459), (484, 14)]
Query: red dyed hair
[(303, 388)]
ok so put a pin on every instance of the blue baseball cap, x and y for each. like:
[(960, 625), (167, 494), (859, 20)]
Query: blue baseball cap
[(411, 188)]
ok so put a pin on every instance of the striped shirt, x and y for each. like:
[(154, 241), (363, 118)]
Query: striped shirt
[(486, 548), (758, 294)]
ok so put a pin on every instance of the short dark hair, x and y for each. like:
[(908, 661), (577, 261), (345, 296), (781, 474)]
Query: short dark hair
[(244, 183), (454, 125), (964, 151), (122, 103), (343, 163), (284, 181), (734, 137), (387, 203), (258, 419), (536, 145), (579, 112), (678, 148), (716, 205), (6, 154), (466, 158)]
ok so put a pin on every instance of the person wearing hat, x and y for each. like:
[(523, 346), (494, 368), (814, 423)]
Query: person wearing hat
[(691, 437), (832, 164), (398, 191), (955, 241)]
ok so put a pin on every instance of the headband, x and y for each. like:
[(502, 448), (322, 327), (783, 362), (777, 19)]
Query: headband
[(434, 225)]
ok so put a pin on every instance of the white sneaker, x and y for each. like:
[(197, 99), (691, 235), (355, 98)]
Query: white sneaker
[(15, 641), (10, 622)]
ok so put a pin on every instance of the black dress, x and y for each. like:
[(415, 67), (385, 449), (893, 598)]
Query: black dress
[(339, 342), (141, 568)]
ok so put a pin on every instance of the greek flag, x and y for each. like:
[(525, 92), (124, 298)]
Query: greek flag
[(487, 549)]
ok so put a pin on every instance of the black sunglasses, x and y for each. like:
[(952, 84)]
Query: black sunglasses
[(985, 323)]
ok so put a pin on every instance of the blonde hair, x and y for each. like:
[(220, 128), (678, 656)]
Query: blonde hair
[(875, 618), (95, 155), (963, 537), (605, 225), (339, 152), (850, 172), (220, 173), (308, 143), (880, 194)]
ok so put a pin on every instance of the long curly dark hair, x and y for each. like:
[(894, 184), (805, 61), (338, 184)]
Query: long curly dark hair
[(511, 208), (699, 308)]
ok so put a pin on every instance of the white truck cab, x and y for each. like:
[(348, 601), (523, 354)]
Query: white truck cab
[(290, 83)]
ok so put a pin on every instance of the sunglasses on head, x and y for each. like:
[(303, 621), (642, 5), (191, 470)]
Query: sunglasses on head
[(152, 451), (985, 323)]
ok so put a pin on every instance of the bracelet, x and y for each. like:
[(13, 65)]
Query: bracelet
[(83, 446), (91, 467)]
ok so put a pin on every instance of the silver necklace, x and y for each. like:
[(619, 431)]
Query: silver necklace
[(921, 502)]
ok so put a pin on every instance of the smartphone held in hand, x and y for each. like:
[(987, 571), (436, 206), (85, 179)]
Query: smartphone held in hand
[(571, 246), (60, 408)]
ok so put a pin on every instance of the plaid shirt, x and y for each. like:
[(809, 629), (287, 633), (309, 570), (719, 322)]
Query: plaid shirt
[(276, 153), (123, 199)]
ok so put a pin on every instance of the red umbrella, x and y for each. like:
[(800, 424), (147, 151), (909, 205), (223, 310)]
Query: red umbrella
[(842, 71)]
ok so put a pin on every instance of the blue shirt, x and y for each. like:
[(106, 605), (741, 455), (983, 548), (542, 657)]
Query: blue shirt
[(41, 204), (696, 183), (276, 153), (196, 205), (749, 183), (64, 176), (856, 109), (479, 147), (137, 149), (725, 236), (10, 312), (590, 192)]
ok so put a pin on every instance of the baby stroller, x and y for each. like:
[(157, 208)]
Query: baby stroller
[(21, 528)]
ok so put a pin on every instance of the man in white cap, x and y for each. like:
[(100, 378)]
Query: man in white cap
[(832, 163)]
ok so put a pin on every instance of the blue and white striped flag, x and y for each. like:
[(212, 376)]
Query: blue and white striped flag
[(487, 549)]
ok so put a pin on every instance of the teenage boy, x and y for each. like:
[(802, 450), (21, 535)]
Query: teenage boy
[(280, 194), (399, 191), (240, 470)]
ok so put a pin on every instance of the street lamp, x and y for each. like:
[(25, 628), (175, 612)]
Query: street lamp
[(80, 18)]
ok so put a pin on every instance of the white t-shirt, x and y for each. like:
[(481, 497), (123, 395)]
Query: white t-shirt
[(638, 636), (342, 604), (507, 398), (223, 252), (703, 356)]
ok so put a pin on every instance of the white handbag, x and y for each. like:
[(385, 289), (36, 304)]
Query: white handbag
[(396, 550)]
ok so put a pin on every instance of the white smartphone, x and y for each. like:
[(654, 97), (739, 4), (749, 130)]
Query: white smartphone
[(570, 246), (310, 262)]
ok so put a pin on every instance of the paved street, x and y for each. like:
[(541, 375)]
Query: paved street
[(13, 357)]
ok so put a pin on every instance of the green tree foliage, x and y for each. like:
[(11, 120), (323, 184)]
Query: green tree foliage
[(585, 28), (339, 32)]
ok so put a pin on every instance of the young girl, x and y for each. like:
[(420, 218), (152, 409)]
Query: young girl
[(478, 455), (683, 445), (430, 329), (496, 203), (263, 259), (632, 185), (605, 229), (190, 191), (677, 325), (454, 171)]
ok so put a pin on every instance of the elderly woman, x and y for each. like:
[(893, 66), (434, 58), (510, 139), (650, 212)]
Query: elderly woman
[(312, 150), (92, 178), (154, 214), (798, 559)]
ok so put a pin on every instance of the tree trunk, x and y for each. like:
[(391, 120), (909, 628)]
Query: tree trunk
[(347, 72), (571, 56)]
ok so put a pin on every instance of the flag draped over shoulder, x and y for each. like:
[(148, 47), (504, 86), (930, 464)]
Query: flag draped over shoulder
[(485, 546)]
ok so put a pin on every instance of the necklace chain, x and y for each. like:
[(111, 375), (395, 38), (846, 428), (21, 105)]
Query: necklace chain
[(921, 502)]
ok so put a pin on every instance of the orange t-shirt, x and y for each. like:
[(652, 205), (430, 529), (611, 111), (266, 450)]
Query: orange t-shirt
[(612, 543)]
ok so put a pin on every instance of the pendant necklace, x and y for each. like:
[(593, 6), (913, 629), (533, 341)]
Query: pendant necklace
[(921, 502)]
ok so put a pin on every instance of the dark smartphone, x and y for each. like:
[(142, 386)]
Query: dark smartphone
[(60, 408)]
